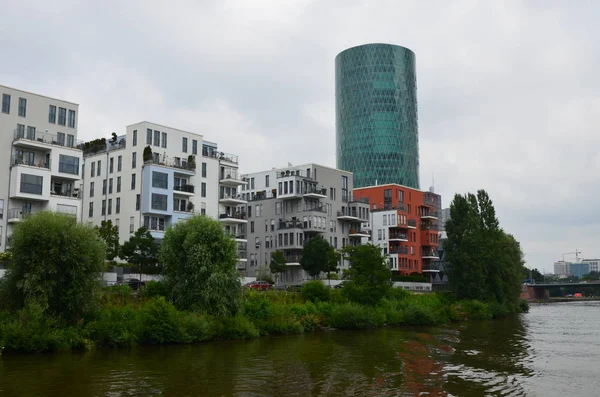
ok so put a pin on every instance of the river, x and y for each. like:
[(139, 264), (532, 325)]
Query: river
[(552, 351)]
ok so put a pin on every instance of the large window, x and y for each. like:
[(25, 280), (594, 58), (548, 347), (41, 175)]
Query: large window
[(68, 164), (91, 189), (5, 103), (194, 147), (134, 140), (91, 209), (52, 114), (154, 223), (203, 190), (31, 184), (111, 165), (132, 181), (119, 163), (22, 107), (118, 184), (160, 180), (133, 159), (203, 170), (62, 116), (164, 140), (72, 118), (156, 138), (148, 136), (184, 145), (159, 202)]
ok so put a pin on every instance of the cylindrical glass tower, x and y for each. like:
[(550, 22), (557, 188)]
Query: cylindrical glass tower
[(377, 136)]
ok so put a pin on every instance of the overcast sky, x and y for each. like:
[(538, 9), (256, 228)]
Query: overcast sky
[(508, 91)]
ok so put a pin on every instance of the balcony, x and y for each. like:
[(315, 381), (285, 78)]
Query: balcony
[(20, 160), (185, 190), (232, 178), (432, 267), (400, 249), (431, 215), (402, 237), (289, 173), (429, 253), (16, 215), (233, 217), (315, 209), (359, 233), (263, 195), (411, 224), (314, 192), (231, 199), (39, 139), (293, 259), (181, 166), (347, 216), (293, 224)]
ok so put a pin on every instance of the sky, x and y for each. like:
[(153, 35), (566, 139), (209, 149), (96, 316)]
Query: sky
[(508, 92)]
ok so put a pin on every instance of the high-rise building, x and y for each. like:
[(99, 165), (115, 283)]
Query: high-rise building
[(376, 115), (39, 148)]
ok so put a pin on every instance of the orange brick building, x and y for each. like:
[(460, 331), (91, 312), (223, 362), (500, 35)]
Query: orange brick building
[(404, 223)]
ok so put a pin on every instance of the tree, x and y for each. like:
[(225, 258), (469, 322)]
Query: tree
[(592, 276), (369, 274), (278, 264), (331, 266), (56, 263), (482, 261), (142, 251), (200, 267), (147, 154), (316, 256), (110, 235)]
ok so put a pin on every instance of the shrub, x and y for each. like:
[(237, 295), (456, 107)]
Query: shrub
[(354, 316), (281, 320), (237, 327), (315, 291), (257, 306), (159, 321), (115, 327), (153, 289), (119, 295), (476, 310), (415, 314), (369, 274), (523, 306), (398, 294), (195, 328)]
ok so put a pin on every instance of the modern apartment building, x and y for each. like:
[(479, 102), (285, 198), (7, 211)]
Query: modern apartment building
[(405, 225), (40, 151), (155, 176), (288, 206), (593, 263)]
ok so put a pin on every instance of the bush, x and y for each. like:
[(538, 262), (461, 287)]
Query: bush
[(119, 295), (153, 289), (398, 294), (523, 306), (115, 327), (476, 310), (159, 320), (237, 327), (415, 314), (195, 328), (354, 316), (315, 291)]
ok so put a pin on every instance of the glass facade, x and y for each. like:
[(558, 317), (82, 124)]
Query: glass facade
[(376, 115)]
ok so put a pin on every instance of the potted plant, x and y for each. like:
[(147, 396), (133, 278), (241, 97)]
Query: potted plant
[(147, 154), (191, 162), (190, 206)]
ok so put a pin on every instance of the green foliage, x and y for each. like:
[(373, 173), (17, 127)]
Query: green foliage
[(593, 275), (354, 316), (110, 235), (153, 289), (159, 321), (315, 291), (476, 310), (194, 328), (115, 326), (369, 275), (142, 252), (523, 306), (6, 256), (200, 267), (56, 263), (417, 278), (317, 256), (483, 262), (147, 154), (118, 295), (237, 327), (278, 264)]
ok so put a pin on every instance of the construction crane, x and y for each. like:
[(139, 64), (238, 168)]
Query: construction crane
[(576, 253)]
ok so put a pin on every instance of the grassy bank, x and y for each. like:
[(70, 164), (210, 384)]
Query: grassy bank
[(123, 319)]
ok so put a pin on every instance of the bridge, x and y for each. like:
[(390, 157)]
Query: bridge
[(555, 290)]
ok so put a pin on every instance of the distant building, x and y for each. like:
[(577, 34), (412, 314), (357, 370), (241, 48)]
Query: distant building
[(594, 264), (578, 269), (560, 268)]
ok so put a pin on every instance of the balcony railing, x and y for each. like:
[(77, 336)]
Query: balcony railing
[(310, 189), (173, 163), (430, 213), (318, 209), (398, 236), (412, 223), (399, 250), (232, 174), (225, 196), (17, 213), (293, 258), (429, 252), (20, 160), (347, 213), (360, 231), (429, 227), (433, 266), (290, 225), (233, 215), (262, 195), (184, 188), (45, 137), (289, 173)]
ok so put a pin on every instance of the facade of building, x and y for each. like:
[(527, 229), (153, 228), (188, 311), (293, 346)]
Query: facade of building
[(578, 269), (561, 268), (405, 225), (288, 206), (40, 151), (593, 263), (376, 115), (180, 175)]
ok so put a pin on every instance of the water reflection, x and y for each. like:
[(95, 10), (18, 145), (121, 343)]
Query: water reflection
[(509, 357)]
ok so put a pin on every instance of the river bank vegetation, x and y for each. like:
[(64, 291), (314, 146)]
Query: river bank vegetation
[(52, 299)]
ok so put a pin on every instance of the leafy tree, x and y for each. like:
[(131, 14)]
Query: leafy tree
[(142, 251), (369, 274), (593, 275), (110, 235), (278, 264), (331, 266), (56, 264), (533, 274), (316, 256), (200, 267), (483, 262)]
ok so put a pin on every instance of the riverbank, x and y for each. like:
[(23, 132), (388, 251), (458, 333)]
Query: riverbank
[(126, 320), (562, 300)]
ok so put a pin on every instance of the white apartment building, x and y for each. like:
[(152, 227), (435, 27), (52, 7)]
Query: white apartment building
[(40, 151), (594, 264), (182, 175)]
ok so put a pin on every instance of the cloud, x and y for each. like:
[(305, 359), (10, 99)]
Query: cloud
[(508, 91)]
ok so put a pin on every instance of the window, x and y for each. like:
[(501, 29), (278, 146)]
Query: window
[(104, 187), (137, 202), (20, 131), (60, 137), (119, 163), (93, 169), (1, 209), (252, 227), (70, 140), (159, 202), (154, 223), (134, 140), (99, 167), (103, 207), (62, 116), (118, 207), (71, 118), (280, 188), (131, 224), (132, 181), (68, 164), (91, 189), (117, 224), (111, 165), (91, 210), (203, 190), (203, 170), (110, 186), (31, 132), (6, 103), (164, 140), (148, 136), (266, 180), (133, 159), (194, 147), (118, 184), (202, 208), (344, 188), (22, 107), (156, 138), (109, 206), (160, 180), (184, 145), (251, 183), (52, 114)]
